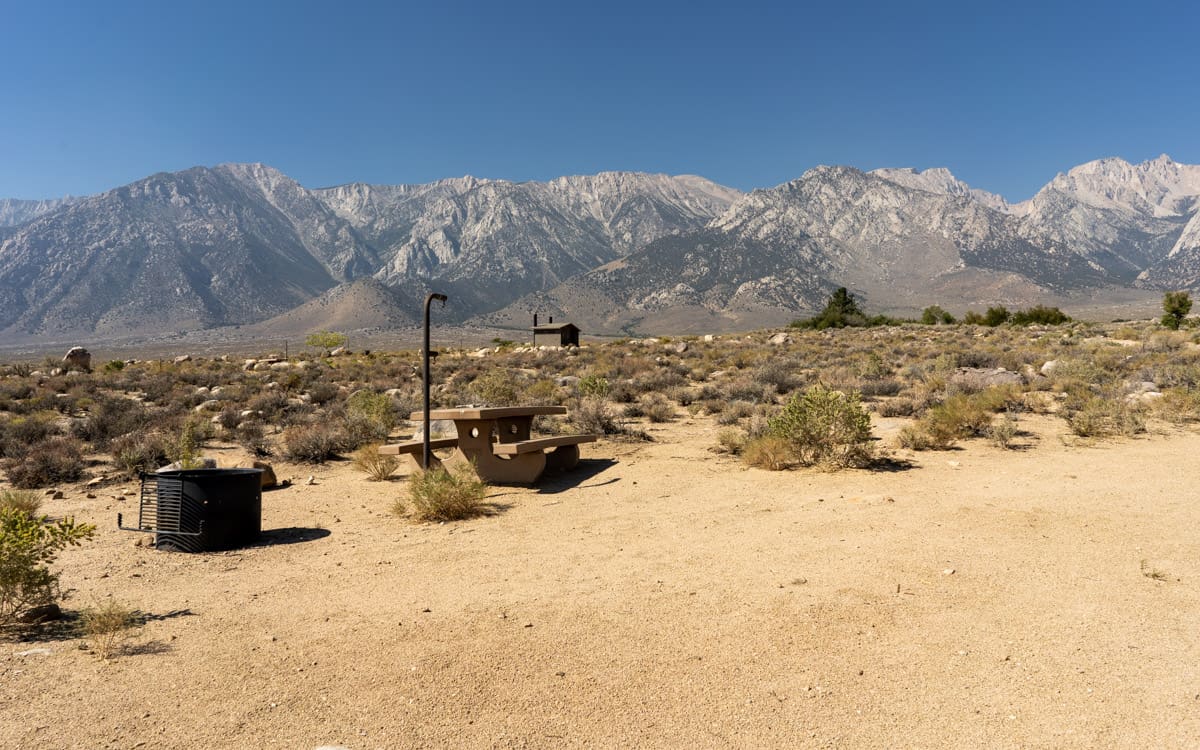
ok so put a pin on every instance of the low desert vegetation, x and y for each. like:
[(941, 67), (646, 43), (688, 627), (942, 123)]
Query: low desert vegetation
[(443, 495), (28, 544), (107, 628), (803, 399), (377, 466)]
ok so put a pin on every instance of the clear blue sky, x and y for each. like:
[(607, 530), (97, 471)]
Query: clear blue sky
[(97, 94)]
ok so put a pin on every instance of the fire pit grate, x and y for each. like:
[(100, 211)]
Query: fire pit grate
[(195, 510)]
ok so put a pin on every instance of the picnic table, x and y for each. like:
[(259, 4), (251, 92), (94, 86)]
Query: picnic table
[(498, 442)]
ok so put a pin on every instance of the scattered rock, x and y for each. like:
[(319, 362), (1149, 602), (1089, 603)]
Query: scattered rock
[(709, 338), (1049, 368), (338, 351), (44, 613), (249, 364), (209, 405), (437, 428), (979, 378), (681, 347), (78, 358), (57, 495), (311, 480), (182, 358), (948, 572), (33, 652), (202, 463), (780, 339), (566, 380)]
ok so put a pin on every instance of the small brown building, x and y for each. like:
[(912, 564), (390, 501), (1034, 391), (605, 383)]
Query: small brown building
[(556, 334)]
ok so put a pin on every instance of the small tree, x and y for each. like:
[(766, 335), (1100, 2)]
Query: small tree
[(934, 314), (27, 545), (840, 311), (325, 340), (995, 316), (1176, 306)]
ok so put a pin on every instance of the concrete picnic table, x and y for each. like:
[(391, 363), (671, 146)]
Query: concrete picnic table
[(497, 441)]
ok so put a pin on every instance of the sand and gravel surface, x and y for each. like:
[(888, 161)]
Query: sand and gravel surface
[(660, 596)]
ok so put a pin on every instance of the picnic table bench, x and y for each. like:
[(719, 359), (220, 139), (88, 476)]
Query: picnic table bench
[(497, 441)]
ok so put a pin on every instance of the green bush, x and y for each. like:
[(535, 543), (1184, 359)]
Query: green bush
[(1040, 315), (27, 546), (377, 408), (825, 427), (439, 495), (935, 315), (593, 386), (325, 340), (1176, 306)]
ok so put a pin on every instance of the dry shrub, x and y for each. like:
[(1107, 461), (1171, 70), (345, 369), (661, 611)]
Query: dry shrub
[(1102, 417), (1003, 432), (960, 416), (140, 452), (656, 408), (377, 466), (439, 495), (47, 463), (769, 452), (896, 407), (252, 437), (107, 628), (312, 443), (730, 440), (593, 415), (22, 501)]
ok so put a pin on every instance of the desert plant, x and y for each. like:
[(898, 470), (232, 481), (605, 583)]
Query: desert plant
[(376, 408), (1176, 306), (656, 408), (441, 495), (252, 437), (935, 315), (769, 452), (107, 627), (140, 452), (730, 440), (25, 501), (47, 463), (377, 466), (325, 340), (593, 386), (825, 427), (594, 416), (189, 443), (312, 443), (27, 546)]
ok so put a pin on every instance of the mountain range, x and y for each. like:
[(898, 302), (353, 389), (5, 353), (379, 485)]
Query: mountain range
[(242, 244)]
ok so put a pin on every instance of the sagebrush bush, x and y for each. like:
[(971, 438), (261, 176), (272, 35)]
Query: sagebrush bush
[(594, 416), (377, 466), (46, 463), (769, 452), (825, 427), (111, 418), (140, 452), (313, 443), (656, 408), (441, 495), (23, 501)]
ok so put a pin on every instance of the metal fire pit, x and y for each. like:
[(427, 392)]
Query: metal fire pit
[(199, 510)]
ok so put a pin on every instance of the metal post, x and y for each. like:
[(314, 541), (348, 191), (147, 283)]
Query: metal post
[(425, 352)]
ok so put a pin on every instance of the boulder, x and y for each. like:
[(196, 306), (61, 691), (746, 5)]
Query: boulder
[(182, 358), (209, 405), (268, 475), (681, 347), (979, 378), (1049, 368), (780, 339), (200, 463), (338, 351), (437, 428), (709, 338), (78, 358)]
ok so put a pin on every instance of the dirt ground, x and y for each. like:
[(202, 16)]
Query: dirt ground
[(659, 596)]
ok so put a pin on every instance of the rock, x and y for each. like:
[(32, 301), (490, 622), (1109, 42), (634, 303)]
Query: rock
[(201, 391), (33, 652), (948, 572), (268, 475), (182, 358), (338, 351), (261, 366), (437, 428), (78, 358), (58, 495), (43, 613), (56, 372), (209, 405), (1049, 368), (247, 413), (202, 463), (780, 339), (216, 391), (979, 378), (311, 480), (479, 353), (249, 364), (566, 380), (281, 366), (681, 347), (709, 338)]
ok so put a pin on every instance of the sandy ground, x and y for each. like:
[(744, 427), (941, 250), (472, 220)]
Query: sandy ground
[(660, 596)]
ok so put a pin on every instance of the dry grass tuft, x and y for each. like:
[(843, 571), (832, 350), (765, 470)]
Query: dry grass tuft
[(107, 628), (374, 464), (439, 495)]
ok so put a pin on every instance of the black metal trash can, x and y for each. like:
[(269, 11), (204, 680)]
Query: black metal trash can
[(200, 510)]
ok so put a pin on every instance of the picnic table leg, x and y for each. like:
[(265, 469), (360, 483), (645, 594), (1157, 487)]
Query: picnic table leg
[(475, 444), (563, 457)]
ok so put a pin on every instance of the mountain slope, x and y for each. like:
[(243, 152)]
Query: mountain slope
[(14, 211)]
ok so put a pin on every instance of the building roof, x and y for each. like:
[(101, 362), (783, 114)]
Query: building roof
[(551, 327)]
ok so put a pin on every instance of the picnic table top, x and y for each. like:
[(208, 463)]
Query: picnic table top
[(488, 412)]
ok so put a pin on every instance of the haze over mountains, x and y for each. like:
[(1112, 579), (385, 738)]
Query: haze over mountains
[(240, 244)]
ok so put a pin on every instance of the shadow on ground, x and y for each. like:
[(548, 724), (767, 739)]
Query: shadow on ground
[(290, 535), (560, 481)]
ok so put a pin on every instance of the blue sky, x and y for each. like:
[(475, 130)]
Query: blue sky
[(94, 95)]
